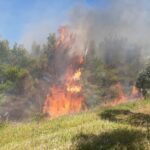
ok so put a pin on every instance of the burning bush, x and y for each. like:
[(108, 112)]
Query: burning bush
[(66, 92)]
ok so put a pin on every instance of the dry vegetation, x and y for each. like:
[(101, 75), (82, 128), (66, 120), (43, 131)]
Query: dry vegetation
[(120, 127)]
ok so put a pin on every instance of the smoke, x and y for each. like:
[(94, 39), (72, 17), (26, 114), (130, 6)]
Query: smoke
[(119, 25), (40, 19), (119, 19), (34, 32), (124, 19)]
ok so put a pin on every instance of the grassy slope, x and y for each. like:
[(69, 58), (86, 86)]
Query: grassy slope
[(101, 128)]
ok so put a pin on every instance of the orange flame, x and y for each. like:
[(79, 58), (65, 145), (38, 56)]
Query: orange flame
[(65, 38), (123, 98), (73, 84), (77, 75), (61, 103), (66, 98)]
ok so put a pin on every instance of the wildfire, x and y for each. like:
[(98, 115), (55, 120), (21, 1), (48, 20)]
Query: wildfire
[(77, 75), (73, 84), (123, 98), (65, 38), (66, 97), (135, 93), (60, 103), (121, 95), (74, 89)]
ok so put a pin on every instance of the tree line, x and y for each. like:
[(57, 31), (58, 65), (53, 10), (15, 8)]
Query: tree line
[(111, 61)]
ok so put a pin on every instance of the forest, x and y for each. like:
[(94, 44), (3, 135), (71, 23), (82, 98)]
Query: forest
[(75, 75), (27, 75)]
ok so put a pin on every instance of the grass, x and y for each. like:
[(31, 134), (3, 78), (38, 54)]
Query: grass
[(124, 127)]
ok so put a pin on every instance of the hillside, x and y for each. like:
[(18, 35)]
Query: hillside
[(120, 127)]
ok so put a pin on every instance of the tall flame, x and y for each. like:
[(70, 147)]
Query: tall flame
[(66, 97)]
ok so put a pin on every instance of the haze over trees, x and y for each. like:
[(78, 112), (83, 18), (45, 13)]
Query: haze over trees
[(24, 73)]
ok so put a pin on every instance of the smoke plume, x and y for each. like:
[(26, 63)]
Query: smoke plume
[(128, 20)]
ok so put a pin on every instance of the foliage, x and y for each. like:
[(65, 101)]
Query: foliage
[(5, 86), (115, 61), (10, 75), (98, 81), (143, 80), (4, 51)]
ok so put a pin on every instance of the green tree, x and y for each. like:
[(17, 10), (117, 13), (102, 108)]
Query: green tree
[(4, 51), (143, 81), (20, 56)]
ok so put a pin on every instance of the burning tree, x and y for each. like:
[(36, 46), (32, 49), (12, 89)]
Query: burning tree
[(65, 94)]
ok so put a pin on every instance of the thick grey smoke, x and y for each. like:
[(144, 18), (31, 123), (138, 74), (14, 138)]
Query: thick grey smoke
[(119, 19)]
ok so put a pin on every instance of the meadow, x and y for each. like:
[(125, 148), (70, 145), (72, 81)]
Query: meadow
[(123, 127)]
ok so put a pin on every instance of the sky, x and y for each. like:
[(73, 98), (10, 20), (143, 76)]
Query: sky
[(22, 21)]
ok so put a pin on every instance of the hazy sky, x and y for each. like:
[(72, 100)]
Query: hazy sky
[(24, 20)]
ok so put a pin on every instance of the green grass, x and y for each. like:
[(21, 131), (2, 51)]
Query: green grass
[(124, 127)]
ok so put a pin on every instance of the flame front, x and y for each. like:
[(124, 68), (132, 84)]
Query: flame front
[(60, 103), (123, 98), (66, 97)]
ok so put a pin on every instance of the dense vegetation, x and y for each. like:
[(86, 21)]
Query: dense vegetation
[(27, 75), (24, 73), (119, 128), (143, 81)]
